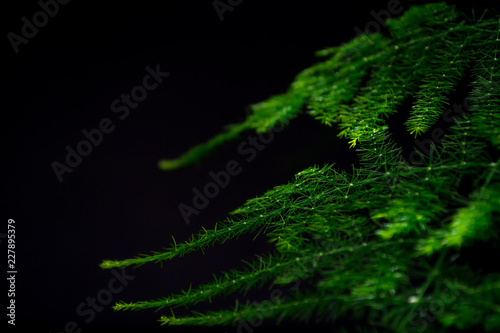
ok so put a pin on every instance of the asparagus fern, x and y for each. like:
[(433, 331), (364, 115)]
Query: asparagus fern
[(388, 237)]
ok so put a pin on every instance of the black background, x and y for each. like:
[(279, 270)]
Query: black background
[(116, 203)]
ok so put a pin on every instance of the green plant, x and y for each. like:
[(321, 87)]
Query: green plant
[(392, 236)]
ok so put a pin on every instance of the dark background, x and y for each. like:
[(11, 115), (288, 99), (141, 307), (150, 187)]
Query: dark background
[(116, 203)]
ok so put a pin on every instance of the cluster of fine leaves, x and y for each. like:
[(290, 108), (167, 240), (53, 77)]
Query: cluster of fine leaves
[(383, 241)]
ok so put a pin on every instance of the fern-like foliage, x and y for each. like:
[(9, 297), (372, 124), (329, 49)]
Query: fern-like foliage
[(385, 239)]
